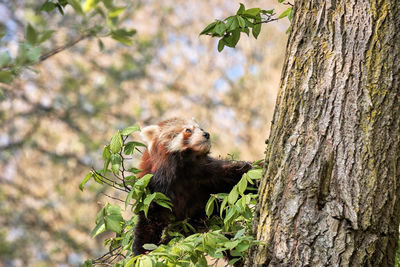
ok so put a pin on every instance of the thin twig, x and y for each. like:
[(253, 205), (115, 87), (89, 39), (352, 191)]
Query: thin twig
[(62, 48), (115, 198)]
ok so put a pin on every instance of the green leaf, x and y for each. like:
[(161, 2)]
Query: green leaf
[(235, 37), (210, 206), (269, 12), (76, 5), (31, 35), (44, 36), (290, 16), (115, 162), (116, 143), (242, 185), (6, 76), (241, 9), (123, 36), (89, 5), (115, 12), (285, 13), (280, 1), (5, 59), (144, 181), (149, 199), (129, 148), (47, 7), (209, 28), (220, 29), (113, 223), (150, 246), (130, 129), (129, 198), (221, 45), (106, 152), (255, 174), (113, 218), (223, 204), (233, 195), (134, 170), (241, 21), (164, 204), (85, 180), (239, 233), (253, 11), (231, 212), (33, 54), (98, 229), (234, 24)]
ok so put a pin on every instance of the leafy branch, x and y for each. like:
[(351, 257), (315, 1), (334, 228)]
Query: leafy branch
[(226, 230), (230, 28), (30, 49)]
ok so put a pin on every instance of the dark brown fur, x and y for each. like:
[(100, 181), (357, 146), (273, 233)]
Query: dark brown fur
[(187, 178)]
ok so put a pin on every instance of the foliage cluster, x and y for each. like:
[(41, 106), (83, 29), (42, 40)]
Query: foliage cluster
[(230, 28), (98, 18), (227, 229)]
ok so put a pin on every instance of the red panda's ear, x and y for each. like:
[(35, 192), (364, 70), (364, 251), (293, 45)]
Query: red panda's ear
[(149, 133)]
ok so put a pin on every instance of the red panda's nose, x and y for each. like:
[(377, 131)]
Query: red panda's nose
[(206, 135)]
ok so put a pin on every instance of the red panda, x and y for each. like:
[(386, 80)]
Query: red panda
[(177, 156)]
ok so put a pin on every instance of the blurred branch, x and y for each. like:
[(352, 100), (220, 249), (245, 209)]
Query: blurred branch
[(64, 47)]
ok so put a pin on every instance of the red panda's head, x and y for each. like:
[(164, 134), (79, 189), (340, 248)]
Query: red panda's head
[(177, 135)]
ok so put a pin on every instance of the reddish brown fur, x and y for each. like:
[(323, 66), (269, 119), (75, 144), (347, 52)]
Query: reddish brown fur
[(187, 177)]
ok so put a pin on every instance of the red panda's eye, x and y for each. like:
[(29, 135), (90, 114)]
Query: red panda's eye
[(188, 130)]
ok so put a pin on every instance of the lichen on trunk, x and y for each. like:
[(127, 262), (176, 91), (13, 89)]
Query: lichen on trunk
[(330, 195)]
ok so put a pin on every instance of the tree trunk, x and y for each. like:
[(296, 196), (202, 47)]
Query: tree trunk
[(330, 195)]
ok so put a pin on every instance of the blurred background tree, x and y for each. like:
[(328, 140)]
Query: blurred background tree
[(124, 63)]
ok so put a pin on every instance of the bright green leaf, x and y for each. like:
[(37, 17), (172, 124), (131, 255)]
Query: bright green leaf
[(255, 174), (115, 162), (113, 223), (210, 206), (144, 181), (231, 212), (233, 195), (106, 152), (85, 180), (241, 21), (253, 11), (89, 5), (285, 13), (242, 185), (130, 129), (115, 12), (100, 228), (116, 143), (150, 246)]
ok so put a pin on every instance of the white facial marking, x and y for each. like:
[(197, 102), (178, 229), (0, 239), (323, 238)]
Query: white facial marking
[(176, 143), (149, 133)]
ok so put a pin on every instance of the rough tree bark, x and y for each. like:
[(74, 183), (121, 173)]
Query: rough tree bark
[(330, 195)]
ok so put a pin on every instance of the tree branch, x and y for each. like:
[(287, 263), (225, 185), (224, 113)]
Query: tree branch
[(62, 48)]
